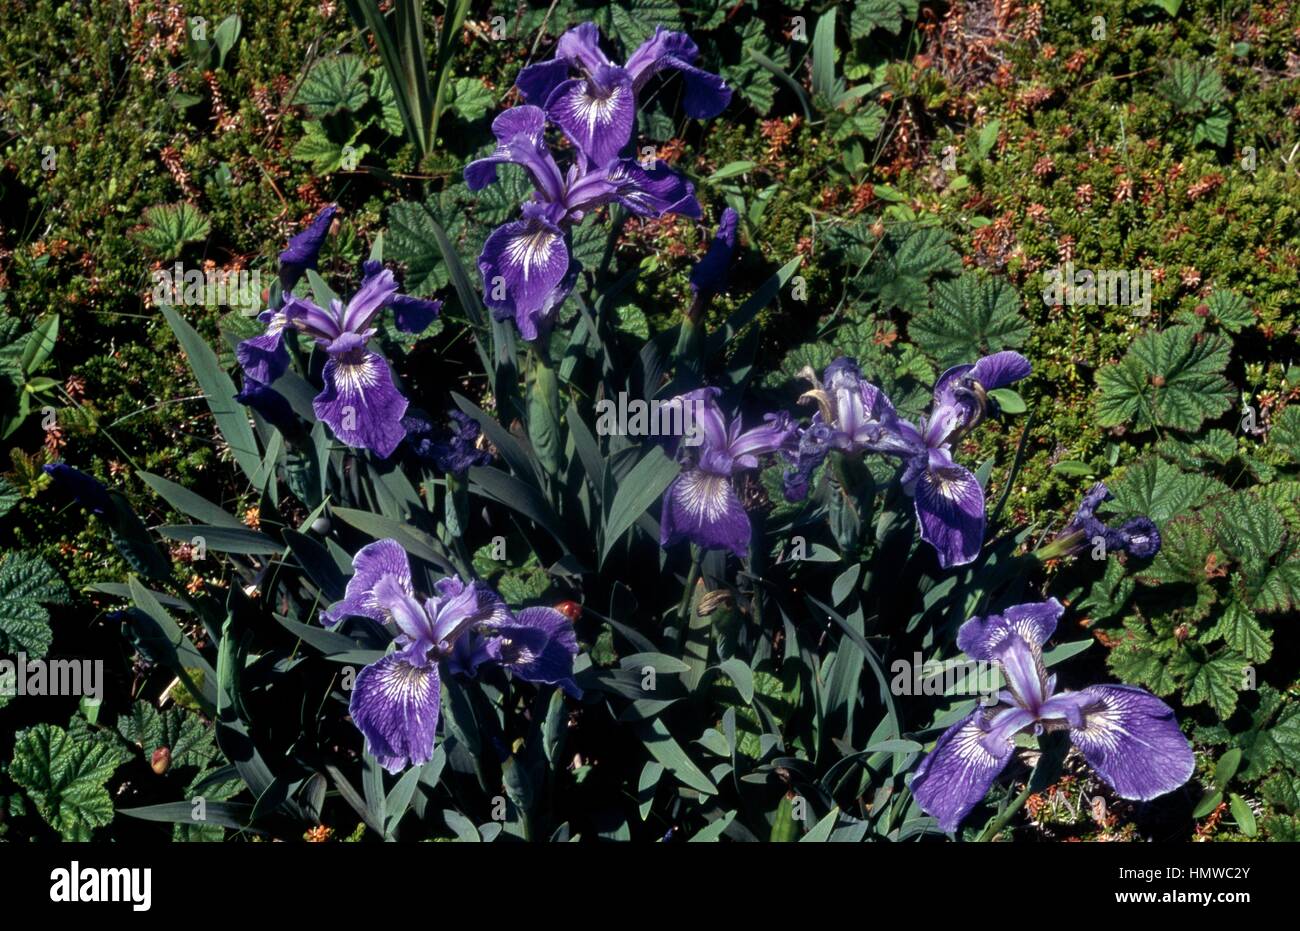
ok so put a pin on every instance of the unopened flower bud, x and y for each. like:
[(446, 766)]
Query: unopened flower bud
[(161, 760)]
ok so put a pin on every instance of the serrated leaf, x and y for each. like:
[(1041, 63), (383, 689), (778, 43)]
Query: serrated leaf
[(908, 258), (972, 316), (184, 734), (471, 98), (9, 496), (410, 240), (1280, 590), (1193, 86), (325, 155), (1246, 528), (889, 15), (1172, 378), (1240, 630), (65, 778), (333, 84), (170, 226), (27, 583), (1159, 490), (1215, 681)]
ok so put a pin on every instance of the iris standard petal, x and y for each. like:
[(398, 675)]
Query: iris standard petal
[(580, 47), (538, 81), (370, 564), (404, 609), (1034, 622), (378, 287), (521, 140)]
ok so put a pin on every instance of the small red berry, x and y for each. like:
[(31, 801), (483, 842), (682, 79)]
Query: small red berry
[(570, 609)]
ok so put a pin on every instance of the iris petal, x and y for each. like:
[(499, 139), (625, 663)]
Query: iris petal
[(703, 507), (527, 273), (596, 113), (373, 562), (360, 402), (950, 510), (395, 704), (1131, 738), (956, 775)]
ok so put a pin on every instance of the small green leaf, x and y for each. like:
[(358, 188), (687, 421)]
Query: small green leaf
[(1242, 814)]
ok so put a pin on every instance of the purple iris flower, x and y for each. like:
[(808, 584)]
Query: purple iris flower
[(270, 404), (1138, 536), (597, 110), (454, 450), (536, 644), (397, 701), (360, 402), (948, 498), (709, 276), (526, 264), (303, 249), (1126, 734), (701, 504), (88, 491)]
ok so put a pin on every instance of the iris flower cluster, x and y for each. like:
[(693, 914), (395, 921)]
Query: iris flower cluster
[(360, 402), (527, 266), (855, 416), (396, 701)]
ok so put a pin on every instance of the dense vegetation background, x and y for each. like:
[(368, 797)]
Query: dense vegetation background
[(998, 141)]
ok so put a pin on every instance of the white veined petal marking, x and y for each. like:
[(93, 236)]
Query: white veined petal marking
[(594, 108), (705, 494), (531, 249), (1104, 725), (406, 684), (968, 746), (950, 484), (515, 654), (355, 373)]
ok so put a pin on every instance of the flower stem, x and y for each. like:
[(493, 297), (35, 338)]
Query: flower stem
[(692, 577), (1005, 816)]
